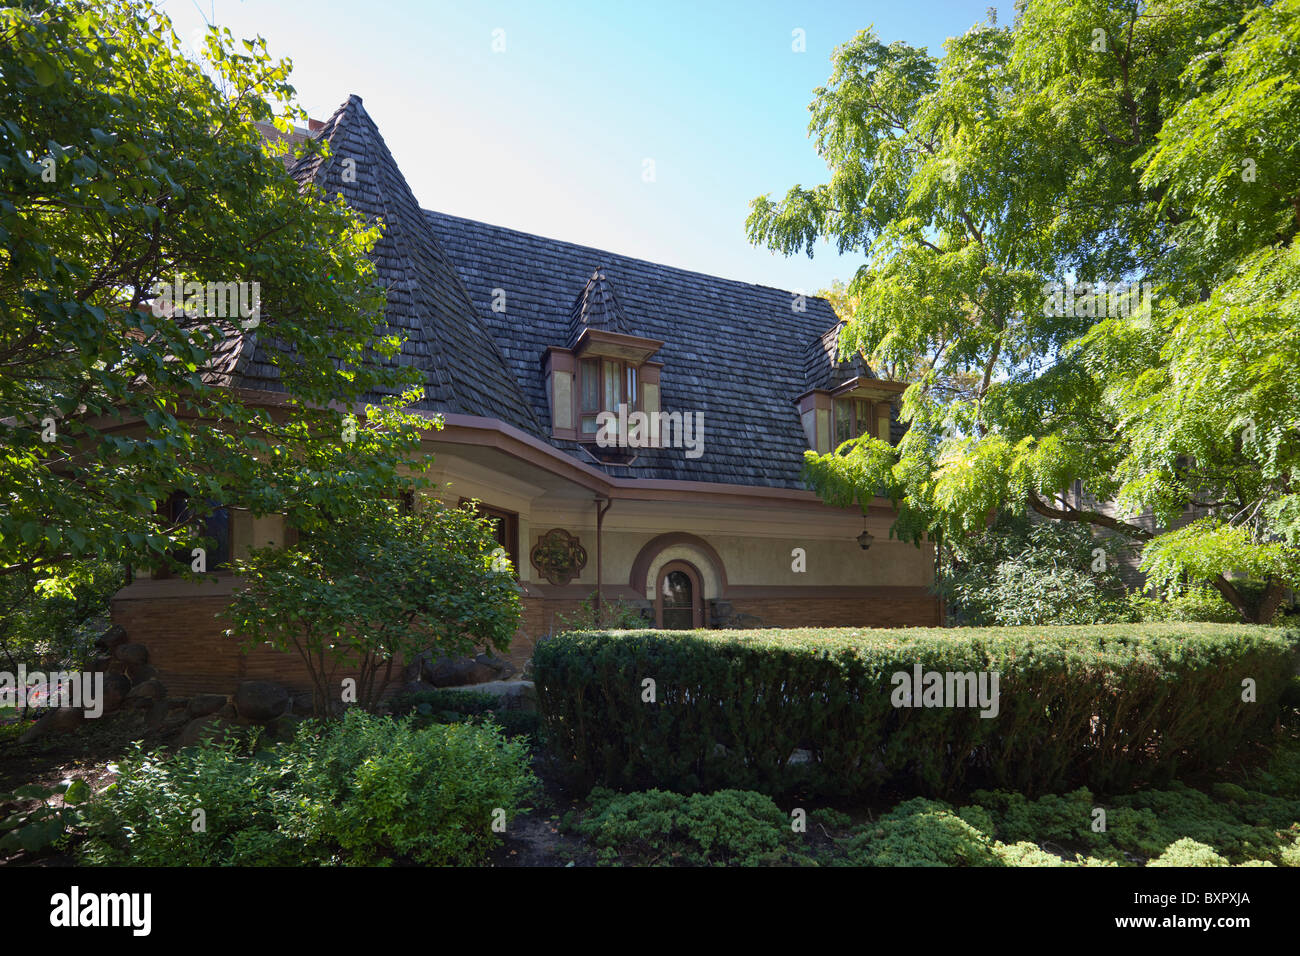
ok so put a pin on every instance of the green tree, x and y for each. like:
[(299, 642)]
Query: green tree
[(126, 166), (1087, 144), (366, 587)]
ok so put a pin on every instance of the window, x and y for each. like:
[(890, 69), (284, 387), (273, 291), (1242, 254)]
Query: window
[(210, 521), (852, 419), (505, 525), (606, 384)]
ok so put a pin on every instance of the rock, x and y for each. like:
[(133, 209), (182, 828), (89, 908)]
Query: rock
[(302, 704), (211, 727), (68, 719), (139, 673), (131, 653), (284, 727), (64, 720), (157, 713), (111, 638), (101, 663), (39, 729), (150, 688), (502, 668), (514, 694), (116, 687), (228, 711), (203, 704), (261, 700), (459, 671)]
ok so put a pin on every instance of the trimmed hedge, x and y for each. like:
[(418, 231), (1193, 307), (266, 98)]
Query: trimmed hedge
[(1110, 707)]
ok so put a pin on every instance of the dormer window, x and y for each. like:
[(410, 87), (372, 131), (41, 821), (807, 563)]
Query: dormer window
[(606, 384), (853, 418), (602, 366)]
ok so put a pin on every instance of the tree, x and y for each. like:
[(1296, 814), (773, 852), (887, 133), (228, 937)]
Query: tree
[(1012, 200), (374, 584), (126, 169)]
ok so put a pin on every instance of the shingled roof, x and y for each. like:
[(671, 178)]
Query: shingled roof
[(737, 352), (596, 307), (428, 304), (732, 350)]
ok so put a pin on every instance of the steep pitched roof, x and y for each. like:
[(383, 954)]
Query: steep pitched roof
[(428, 303), (596, 307), (732, 350)]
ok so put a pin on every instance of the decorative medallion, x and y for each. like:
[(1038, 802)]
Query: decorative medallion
[(559, 556)]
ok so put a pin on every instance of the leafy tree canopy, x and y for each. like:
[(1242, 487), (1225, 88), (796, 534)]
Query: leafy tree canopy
[(994, 191), (125, 164)]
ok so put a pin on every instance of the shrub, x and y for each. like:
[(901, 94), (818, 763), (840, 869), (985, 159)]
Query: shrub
[(1108, 707), (1187, 852), (467, 706), (365, 790), (1194, 604), (387, 790), (670, 829), (920, 832)]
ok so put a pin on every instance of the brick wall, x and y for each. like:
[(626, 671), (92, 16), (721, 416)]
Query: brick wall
[(188, 647)]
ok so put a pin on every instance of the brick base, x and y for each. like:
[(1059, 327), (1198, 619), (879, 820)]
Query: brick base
[(186, 640)]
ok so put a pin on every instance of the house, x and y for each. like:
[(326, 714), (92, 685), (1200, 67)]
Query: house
[(685, 502)]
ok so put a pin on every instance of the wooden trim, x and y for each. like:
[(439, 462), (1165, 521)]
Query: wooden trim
[(652, 548)]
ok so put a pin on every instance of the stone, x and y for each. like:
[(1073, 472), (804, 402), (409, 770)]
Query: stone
[(157, 713), (228, 711), (139, 673), (101, 664), (203, 704), (284, 727), (211, 727), (64, 720), (131, 653), (150, 688), (261, 700), (458, 671), (116, 687), (111, 638)]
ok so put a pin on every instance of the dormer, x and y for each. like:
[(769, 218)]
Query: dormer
[(601, 366), (844, 398)]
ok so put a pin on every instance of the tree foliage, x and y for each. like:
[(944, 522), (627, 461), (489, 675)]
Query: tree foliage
[(125, 164), (373, 585), (1085, 144)]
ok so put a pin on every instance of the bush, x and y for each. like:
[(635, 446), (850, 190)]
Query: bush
[(467, 706), (1109, 707), (1194, 604), (668, 829), (366, 790)]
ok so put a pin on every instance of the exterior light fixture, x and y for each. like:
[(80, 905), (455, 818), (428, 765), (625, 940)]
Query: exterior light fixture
[(865, 539)]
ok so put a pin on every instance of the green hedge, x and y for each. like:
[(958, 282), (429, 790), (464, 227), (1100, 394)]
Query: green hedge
[(732, 707)]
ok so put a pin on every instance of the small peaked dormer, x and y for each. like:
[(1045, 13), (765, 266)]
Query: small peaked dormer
[(844, 398), (602, 365)]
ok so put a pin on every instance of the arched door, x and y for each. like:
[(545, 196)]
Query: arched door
[(679, 598)]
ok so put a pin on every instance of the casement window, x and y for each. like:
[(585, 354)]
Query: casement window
[(853, 417), (606, 384)]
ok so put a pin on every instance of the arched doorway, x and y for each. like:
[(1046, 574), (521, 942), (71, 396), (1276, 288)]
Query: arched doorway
[(679, 597)]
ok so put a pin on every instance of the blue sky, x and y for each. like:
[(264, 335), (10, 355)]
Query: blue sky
[(551, 135)]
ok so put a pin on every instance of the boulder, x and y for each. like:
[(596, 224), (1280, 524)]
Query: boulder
[(116, 687), (131, 653), (111, 638), (284, 727), (101, 663), (459, 671), (203, 704), (211, 727), (139, 673), (157, 713), (261, 700), (64, 720), (150, 688)]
